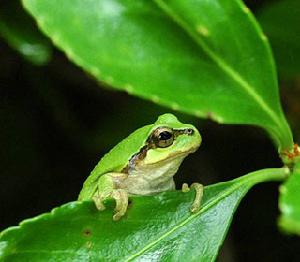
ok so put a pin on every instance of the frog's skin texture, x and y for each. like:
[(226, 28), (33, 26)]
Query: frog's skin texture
[(143, 164)]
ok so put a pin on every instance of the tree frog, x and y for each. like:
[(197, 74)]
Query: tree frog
[(144, 163)]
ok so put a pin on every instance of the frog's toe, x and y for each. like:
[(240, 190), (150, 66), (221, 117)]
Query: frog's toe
[(121, 198), (195, 207), (198, 198), (185, 188), (98, 200), (199, 194), (117, 216)]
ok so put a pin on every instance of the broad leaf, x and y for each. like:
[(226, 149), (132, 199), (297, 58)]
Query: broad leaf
[(156, 228), (20, 32), (281, 22), (206, 58), (289, 203)]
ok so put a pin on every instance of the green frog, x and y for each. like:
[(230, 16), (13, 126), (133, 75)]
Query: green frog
[(144, 163)]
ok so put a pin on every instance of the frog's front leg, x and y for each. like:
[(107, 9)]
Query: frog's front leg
[(199, 194), (110, 185)]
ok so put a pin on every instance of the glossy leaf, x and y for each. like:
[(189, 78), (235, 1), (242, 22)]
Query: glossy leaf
[(281, 22), (289, 203), (206, 58), (156, 228), (20, 32)]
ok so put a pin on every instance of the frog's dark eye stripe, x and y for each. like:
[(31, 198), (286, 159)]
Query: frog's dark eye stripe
[(186, 131)]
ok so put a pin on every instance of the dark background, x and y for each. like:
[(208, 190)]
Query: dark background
[(56, 122)]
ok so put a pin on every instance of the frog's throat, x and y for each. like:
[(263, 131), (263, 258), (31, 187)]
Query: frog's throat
[(144, 179)]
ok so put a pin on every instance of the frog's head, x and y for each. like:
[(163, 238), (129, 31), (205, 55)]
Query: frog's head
[(170, 138)]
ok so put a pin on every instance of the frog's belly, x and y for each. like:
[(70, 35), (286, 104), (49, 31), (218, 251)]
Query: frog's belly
[(147, 180)]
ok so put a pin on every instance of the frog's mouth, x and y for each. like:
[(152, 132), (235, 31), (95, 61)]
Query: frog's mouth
[(135, 161), (178, 154)]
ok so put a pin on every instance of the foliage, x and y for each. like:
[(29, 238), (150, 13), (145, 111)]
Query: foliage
[(289, 203), (206, 58), (78, 230), (18, 28)]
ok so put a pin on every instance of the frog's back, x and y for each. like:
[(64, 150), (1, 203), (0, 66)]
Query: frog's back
[(115, 160)]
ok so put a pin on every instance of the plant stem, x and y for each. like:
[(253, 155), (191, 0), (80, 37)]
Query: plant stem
[(264, 175)]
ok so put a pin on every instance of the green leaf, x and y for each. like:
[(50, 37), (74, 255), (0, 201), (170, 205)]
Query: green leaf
[(281, 22), (20, 32), (156, 228), (289, 203), (206, 58)]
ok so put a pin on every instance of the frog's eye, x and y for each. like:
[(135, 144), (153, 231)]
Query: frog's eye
[(163, 137)]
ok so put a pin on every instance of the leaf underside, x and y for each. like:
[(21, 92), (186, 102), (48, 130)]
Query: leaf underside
[(199, 57)]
